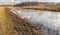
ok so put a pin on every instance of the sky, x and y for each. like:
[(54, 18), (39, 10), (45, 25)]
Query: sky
[(43, 0), (12, 2)]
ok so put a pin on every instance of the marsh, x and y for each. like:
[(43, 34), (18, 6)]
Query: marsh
[(50, 19)]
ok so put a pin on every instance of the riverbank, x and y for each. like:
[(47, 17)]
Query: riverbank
[(6, 27)]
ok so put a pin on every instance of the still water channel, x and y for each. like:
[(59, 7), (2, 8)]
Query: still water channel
[(50, 19)]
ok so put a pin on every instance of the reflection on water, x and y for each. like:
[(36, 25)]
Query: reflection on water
[(49, 19)]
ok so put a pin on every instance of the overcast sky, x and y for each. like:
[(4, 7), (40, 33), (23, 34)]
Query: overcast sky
[(11, 2), (43, 0)]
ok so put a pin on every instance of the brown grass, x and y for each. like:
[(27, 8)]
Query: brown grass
[(21, 25), (11, 24)]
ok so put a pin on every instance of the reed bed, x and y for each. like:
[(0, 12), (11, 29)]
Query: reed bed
[(21, 26)]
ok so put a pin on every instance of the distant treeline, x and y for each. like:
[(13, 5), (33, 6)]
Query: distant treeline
[(27, 3), (36, 3)]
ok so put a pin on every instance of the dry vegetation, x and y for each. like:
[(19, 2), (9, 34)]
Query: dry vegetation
[(6, 27), (11, 24), (22, 26), (43, 7)]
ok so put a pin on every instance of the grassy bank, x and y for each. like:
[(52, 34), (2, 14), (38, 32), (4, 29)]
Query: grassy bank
[(11, 24), (6, 27)]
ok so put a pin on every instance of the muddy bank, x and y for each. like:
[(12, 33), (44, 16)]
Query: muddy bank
[(21, 25)]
